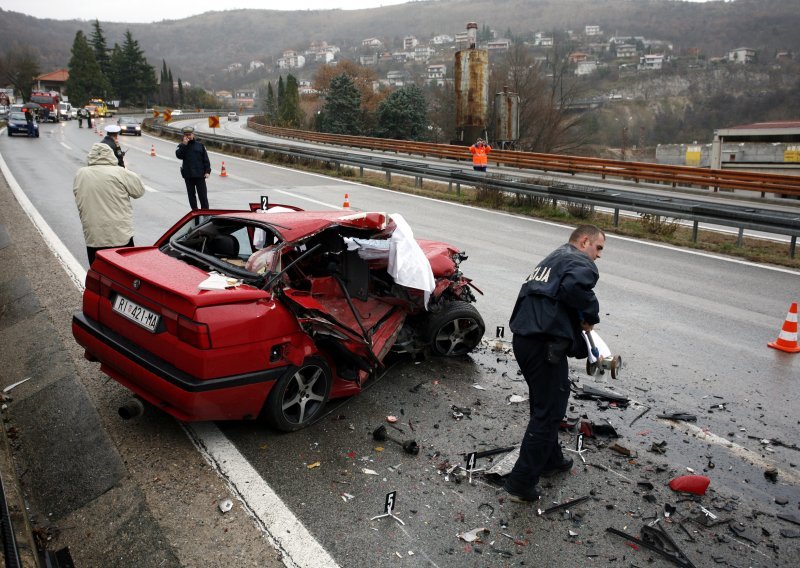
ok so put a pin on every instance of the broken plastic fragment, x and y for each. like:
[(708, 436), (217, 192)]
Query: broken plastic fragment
[(696, 484), (391, 419), (515, 398), (369, 471), (471, 536), (313, 465), (225, 505), (479, 387)]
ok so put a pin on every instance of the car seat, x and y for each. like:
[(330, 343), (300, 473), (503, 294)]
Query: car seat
[(226, 246)]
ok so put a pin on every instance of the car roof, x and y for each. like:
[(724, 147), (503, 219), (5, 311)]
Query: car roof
[(293, 226)]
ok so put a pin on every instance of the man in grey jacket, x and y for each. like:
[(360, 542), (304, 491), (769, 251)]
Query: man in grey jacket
[(103, 193)]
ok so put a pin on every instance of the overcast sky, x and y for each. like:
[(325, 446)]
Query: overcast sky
[(157, 10)]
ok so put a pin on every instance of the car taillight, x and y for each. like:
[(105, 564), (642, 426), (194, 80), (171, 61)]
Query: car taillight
[(194, 333), (98, 284)]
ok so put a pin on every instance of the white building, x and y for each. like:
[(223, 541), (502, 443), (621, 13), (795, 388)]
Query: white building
[(592, 31), (625, 50), (442, 39), (586, 67), (372, 42), (291, 60), (500, 44), (255, 65), (652, 62), (742, 55), (409, 43), (437, 73), (423, 53)]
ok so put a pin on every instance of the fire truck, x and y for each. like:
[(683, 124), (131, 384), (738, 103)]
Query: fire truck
[(48, 100), (98, 108)]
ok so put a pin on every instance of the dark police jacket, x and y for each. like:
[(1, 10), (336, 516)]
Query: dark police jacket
[(120, 155), (195, 159), (557, 295)]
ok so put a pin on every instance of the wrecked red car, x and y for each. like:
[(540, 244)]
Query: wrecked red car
[(269, 313)]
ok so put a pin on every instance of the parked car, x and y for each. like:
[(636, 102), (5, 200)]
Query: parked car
[(129, 125), (73, 112), (18, 125), (236, 315), (65, 111), (177, 112), (233, 117)]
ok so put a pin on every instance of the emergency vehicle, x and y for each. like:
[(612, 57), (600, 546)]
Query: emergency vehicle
[(47, 100)]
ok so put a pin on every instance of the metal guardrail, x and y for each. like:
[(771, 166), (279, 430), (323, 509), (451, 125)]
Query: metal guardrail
[(637, 171), (768, 220)]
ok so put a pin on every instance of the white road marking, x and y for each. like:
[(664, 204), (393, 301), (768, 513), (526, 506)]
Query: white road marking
[(272, 516), (296, 196), (65, 146), (284, 531), (150, 189)]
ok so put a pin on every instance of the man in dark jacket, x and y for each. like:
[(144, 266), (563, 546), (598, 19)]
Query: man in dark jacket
[(195, 169), (111, 139), (555, 304)]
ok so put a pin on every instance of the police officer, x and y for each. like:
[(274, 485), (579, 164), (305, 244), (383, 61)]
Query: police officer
[(555, 304), (195, 169), (112, 140)]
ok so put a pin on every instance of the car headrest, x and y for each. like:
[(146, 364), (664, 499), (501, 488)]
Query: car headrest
[(224, 245)]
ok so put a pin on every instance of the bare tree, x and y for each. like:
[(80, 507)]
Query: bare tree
[(547, 90), (19, 68)]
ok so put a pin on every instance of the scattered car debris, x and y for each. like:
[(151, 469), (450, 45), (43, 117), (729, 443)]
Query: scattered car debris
[(479, 387), (621, 450), (472, 536), (656, 543), (771, 474), (695, 484), (682, 416), (313, 465), (368, 471), (788, 518), (13, 385), (642, 413), (459, 413), (659, 447), (225, 505), (391, 419), (516, 399), (609, 470), (593, 393), (409, 446), (564, 505)]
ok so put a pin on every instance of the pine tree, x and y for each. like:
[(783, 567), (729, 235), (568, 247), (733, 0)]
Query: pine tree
[(180, 93), (341, 113), (100, 47), (290, 114), (401, 115), (135, 78), (270, 106), (85, 76)]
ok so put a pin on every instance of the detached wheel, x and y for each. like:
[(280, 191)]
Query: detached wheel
[(591, 368), (455, 330), (298, 398)]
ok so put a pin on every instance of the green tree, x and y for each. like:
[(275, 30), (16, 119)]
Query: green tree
[(401, 115), (19, 68), (164, 85), (289, 112), (341, 112), (270, 106), (136, 79), (181, 101), (98, 43), (86, 80)]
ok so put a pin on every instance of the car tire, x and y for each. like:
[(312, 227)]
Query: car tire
[(297, 399), (454, 330)]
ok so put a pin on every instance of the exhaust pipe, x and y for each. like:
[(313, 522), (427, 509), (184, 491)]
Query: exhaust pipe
[(131, 409)]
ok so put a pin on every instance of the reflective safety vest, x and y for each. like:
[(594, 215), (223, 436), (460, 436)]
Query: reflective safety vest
[(479, 154)]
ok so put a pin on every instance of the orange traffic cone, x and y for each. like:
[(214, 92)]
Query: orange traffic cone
[(223, 172), (346, 203), (152, 150), (787, 340)]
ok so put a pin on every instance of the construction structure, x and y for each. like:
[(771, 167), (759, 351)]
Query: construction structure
[(472, 90)]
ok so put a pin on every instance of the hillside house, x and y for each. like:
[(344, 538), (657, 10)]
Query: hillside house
[(53, 81), (626, 51), (743, 55), (500, 44), (652, 62), (409, 43), (586, 67), (442, 39), (371, 43), (592, 31), (436, 74), (291, 60)]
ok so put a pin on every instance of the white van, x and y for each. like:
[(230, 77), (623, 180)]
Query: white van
[(65, 111)]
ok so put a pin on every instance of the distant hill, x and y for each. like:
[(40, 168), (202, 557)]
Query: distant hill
[(197, 48)]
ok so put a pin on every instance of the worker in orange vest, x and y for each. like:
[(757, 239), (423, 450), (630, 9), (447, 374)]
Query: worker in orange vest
[(480, 151)]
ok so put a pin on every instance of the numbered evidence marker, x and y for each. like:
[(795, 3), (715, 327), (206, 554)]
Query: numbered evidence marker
[(471, 459), (579, 449), (388, 508), (264, 202)]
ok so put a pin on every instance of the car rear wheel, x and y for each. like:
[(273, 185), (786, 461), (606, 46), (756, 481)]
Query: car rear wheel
[(298, 398), (455, 330)]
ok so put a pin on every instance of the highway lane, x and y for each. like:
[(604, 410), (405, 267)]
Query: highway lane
[(691, 327)]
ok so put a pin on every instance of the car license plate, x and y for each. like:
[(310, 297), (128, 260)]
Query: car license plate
[(136, 313)]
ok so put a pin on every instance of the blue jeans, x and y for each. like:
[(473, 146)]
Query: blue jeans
[(548, 385)]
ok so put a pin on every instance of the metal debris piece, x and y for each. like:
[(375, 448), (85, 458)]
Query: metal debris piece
[(492, 452), (620, 450), (472, 536), (659, 447), (788, 518), (594, 393), (563, 505), (609, 470), (225, 505), (642, 413), (790, 533), (771, 474), (677, 557), (684, 416), (12, 385)]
